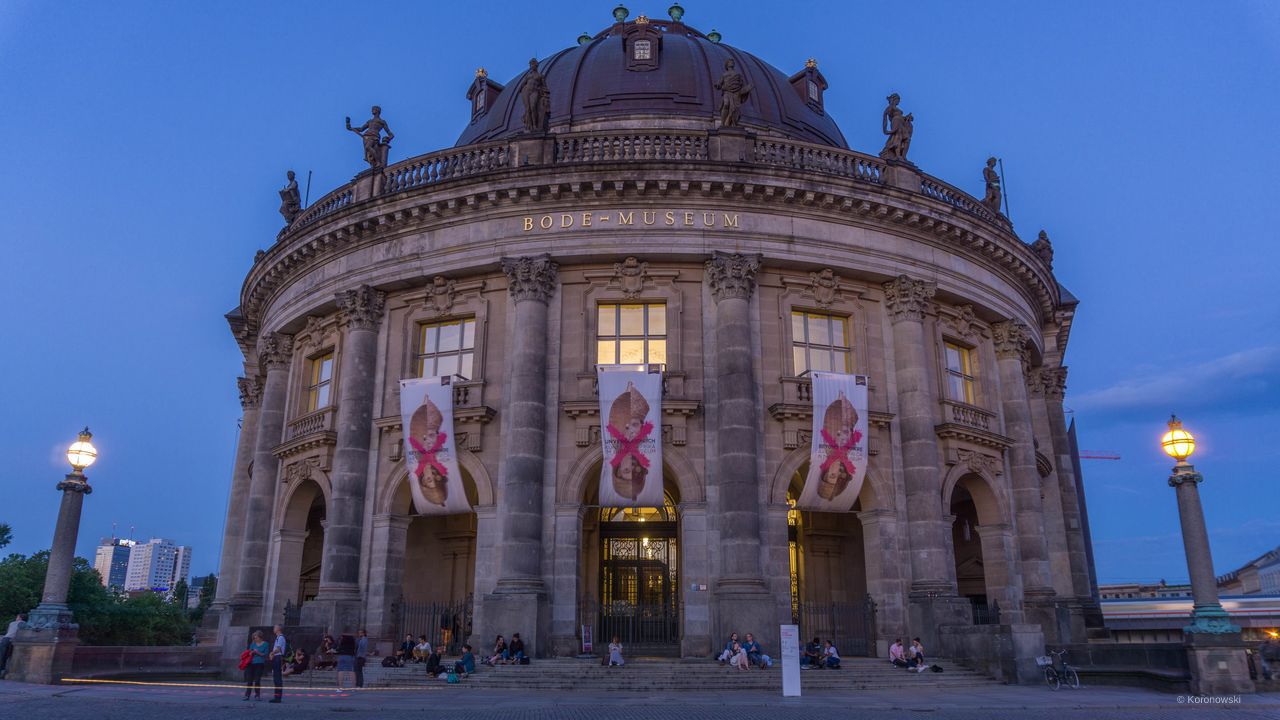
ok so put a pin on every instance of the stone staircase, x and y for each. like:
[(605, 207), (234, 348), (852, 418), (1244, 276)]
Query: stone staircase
[(670, 674)]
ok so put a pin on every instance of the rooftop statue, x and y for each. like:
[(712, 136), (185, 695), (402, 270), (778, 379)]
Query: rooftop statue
[(375, 145), (537, 99), (290, 201), (734, 90), (992, 198), (899, 128)]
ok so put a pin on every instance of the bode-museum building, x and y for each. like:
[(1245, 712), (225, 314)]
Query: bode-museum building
[(656, 198)]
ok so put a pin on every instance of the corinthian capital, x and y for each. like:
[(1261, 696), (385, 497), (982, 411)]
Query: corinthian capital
[(250, 392), (1055, 382), (274, 350), (1011, 338), (732, 275), (531, 278), (908, 299), (361, 308)]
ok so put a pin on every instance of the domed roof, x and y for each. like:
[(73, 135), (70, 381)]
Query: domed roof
[(601, 84)]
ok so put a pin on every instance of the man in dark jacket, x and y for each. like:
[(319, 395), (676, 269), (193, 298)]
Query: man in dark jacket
[(516, 648)]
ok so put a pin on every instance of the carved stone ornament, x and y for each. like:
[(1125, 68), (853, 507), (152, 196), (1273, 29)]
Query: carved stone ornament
[(303, 469), (964, 322), (274, 350), (899, 128), (290, 201), (826, 287), (732, 275), (977, 462), (257, 256), (1011, 338), (441, 294), (250, 392), (908, 299), (1044, 248), (361, 308), (631, 276), (1054, 382), (313, 331), (531, 278)]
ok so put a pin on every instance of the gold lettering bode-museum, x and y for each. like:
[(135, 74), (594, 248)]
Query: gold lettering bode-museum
[(722, 230), (631, 218)]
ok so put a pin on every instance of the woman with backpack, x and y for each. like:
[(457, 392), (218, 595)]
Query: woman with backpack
[(257, 657)]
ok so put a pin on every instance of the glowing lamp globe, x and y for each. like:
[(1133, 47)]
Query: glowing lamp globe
[(1178, 443), (82, 453)]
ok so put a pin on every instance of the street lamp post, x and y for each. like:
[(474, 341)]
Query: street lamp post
[(52, 612), (1215, 651)]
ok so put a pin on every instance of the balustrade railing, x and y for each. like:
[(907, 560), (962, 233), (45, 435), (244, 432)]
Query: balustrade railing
[(326, 205), (959, 199), (816, 158), (438, 167), (797, 390), (318, 421), (968, 415), (604, 148)]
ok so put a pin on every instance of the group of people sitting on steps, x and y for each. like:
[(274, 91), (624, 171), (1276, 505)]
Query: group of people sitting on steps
[(505, 653), (742, 655), (819, 655), (911, 659)]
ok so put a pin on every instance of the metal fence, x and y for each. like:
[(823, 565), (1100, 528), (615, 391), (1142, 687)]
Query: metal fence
[(984, 614), (850, 626), (643, 629), (444, 623)]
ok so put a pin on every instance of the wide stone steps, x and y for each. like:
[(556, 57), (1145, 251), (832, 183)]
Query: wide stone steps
[(648, 675)]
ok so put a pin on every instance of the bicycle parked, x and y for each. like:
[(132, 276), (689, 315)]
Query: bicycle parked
[(1057, 672)]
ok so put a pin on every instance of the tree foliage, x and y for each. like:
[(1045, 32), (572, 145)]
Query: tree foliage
[(105, 618), (6, 534)]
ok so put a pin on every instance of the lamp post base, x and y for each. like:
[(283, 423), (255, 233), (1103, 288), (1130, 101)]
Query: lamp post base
[(1211, 620), (1218, 664), (43, 655)]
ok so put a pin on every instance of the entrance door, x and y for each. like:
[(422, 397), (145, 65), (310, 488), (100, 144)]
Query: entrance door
[(639, 587)]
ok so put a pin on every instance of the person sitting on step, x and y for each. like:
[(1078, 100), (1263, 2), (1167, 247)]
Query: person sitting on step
[(516, 650), (422, 650), (499, 653), (755, 654), (729, 650), (738, 658), (830, 658), (812, 655), (897, 655), (917, 662), (467, 664), (615, 653), (405, 653), (298, 664), (434, 666), (327, 656)]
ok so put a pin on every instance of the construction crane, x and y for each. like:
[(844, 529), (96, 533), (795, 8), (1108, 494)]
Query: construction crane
[(1099, 455)]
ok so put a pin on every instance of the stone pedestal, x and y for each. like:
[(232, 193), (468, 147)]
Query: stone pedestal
[(1218, 664), (532, 149), (43, 656), (730, 145), (527, 613), (928, 612), (903, 176), (335, 614)]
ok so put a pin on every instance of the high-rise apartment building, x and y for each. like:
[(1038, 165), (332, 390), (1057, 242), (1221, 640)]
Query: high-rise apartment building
[(157, 564), (112, 561)]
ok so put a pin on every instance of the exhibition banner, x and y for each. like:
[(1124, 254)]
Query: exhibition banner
[(838, 454), (630, 435), (426, 409)]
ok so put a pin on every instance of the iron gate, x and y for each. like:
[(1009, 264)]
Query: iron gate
[(850, 626), (444, 623)]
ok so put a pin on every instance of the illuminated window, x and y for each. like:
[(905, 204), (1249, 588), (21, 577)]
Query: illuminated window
[(643, 50), (959, 373), (321, 381), (631, 334), (447, 348), (819, 343)]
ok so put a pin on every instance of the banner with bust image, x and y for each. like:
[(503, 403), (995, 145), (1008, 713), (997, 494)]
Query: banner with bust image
[(631, 436), (426, 411), (838, 457)]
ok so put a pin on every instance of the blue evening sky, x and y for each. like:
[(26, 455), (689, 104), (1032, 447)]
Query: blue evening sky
[(143, 144)]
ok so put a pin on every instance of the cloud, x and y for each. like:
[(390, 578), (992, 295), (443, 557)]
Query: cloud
[(1247, 378)]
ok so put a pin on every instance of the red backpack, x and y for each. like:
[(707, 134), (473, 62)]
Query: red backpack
[(246, 658)]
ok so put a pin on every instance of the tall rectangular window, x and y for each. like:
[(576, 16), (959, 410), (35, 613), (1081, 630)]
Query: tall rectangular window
[(959, 373), (631, 334), (447, 348), (320, 382), (643, 50), (819, 342)]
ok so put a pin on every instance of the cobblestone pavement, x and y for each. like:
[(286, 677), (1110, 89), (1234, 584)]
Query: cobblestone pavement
[(197, 701)]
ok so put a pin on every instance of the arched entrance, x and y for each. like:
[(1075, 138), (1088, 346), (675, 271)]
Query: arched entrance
[(299, 547), (982, 548), (631, 574)]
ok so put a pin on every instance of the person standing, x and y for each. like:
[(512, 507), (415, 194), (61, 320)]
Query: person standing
[(258, 649), (6, 642), (346, 658), (276, 658), (362, 652)]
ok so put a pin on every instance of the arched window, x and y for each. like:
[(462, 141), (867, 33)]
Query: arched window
[(666, 513)]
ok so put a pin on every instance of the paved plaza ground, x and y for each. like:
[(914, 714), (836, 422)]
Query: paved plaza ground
[(200, 700)]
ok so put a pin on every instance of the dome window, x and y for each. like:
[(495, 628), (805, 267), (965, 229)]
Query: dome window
[(810, 84), (642, 43), (482, 93)]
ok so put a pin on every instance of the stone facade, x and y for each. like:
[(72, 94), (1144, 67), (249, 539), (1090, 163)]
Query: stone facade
[(525, 239)]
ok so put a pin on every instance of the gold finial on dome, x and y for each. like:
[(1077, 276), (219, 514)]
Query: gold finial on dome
[(642, 19), (482, 73), (811, 63)]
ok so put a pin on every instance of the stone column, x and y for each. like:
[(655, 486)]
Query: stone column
[(1013, 355), (233, 531), (1054, 381), (1051, 496), (1000, 568), (386, 575), (885, 581), (932, 600), (743, 599), (696, 639), (564, 579), (274, 353), (338, 604), (518, 602)]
